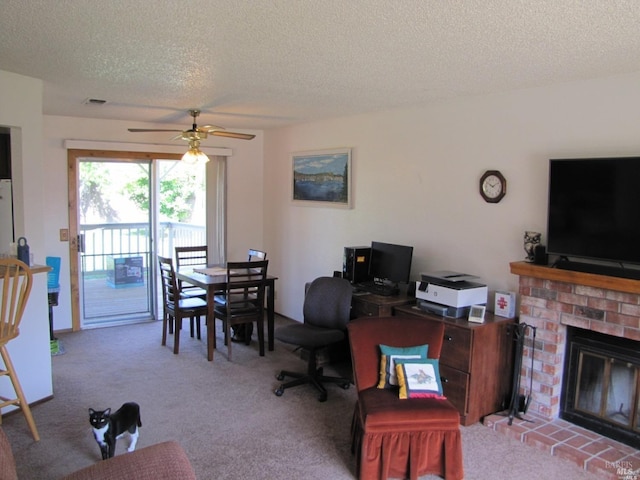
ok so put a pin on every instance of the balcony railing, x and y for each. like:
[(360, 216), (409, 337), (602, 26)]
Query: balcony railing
[(103, 240), (110, 286)]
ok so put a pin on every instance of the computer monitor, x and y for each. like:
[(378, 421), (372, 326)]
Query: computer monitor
[(390, 263)]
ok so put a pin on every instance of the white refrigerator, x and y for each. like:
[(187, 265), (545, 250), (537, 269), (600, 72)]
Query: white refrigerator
[(6, 216)]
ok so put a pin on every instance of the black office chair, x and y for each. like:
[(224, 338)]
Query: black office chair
[(326, 311)]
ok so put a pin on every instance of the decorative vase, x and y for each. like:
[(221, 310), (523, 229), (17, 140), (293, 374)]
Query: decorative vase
[(531, 241)]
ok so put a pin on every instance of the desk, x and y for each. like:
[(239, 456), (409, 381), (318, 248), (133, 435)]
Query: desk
[(370, 305), (215, 283)]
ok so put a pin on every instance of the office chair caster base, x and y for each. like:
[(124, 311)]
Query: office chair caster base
[(280, 376), (279, 391)]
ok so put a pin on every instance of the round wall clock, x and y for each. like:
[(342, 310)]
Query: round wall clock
[(493, 186)]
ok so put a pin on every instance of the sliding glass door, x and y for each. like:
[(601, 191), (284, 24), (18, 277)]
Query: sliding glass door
[(125, 208), (130, 212), (116, 241)]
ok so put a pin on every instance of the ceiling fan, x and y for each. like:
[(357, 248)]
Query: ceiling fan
[(194, 135)]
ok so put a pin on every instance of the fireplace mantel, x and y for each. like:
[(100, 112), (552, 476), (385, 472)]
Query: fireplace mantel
[(526, 269)]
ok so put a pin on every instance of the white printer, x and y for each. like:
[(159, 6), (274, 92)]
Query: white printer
[(450, 293)]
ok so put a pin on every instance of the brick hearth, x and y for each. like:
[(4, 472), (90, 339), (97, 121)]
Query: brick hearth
[(609, 459), (551, 300)]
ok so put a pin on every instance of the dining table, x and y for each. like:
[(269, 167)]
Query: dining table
[(213, 279)]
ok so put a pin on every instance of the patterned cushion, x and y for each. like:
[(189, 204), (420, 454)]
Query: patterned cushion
[(419, 379), (389, 356)]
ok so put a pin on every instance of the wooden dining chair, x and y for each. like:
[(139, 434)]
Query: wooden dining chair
[(175, 306), (15, 280), (243, 332), (196, 257), (243, 300), (256, 255)]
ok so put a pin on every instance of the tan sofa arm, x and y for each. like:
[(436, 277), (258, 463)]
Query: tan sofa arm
[(162, 461)]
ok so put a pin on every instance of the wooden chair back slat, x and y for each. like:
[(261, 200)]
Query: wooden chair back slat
[(170, 291), (16, 278), (192, 256)]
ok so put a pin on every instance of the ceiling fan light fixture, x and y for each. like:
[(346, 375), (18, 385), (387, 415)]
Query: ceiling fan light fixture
[(195, 156)]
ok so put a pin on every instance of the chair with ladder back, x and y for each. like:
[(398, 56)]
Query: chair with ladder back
[(175, 306), (243, 300), (196, 257), (16, 281)]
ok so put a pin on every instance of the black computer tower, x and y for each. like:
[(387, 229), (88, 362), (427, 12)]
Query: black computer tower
[(355, 264)]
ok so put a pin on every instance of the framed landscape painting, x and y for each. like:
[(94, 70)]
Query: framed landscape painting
[(322, 178)]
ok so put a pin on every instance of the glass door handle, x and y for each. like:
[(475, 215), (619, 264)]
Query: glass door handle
[(80, 243)]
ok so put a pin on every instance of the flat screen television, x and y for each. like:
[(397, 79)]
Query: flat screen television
[(594, 209), (390, 263)]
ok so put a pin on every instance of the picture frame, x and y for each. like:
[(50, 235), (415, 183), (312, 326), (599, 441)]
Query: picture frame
[(321, 178)]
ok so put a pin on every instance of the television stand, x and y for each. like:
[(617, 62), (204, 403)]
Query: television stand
[(608, 270)]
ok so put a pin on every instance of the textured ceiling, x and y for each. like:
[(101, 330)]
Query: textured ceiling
[(260, 64)]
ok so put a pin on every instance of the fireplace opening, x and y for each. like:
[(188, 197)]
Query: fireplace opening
[(601, 388)]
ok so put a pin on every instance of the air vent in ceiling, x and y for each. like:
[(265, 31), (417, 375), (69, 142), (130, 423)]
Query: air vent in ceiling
[(93, 101)]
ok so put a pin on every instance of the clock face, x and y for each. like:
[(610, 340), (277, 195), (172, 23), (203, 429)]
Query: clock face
[(493, 186)]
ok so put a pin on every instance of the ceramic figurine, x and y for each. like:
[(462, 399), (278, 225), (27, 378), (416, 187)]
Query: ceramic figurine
[(531, 240)]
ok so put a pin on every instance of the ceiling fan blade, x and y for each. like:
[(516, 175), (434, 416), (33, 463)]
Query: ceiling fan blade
[(224, 133), (151, 130), (198, 133), (209, 128)]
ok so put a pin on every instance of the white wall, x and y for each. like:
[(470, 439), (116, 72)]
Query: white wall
[(21, 109), (416, 172), (244, 183)]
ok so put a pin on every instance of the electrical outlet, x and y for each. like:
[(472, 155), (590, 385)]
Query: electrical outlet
[(64, 235)]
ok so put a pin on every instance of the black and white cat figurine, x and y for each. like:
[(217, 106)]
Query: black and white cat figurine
[(108, 427)]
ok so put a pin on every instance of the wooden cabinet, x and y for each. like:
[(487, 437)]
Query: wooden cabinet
[(476, 363), (370, 305)]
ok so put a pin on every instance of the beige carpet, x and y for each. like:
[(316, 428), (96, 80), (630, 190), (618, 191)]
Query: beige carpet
[(223, 413)]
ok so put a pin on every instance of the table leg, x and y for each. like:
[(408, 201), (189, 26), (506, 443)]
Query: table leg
[(270, 314), (260, 325), (211, 324)]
